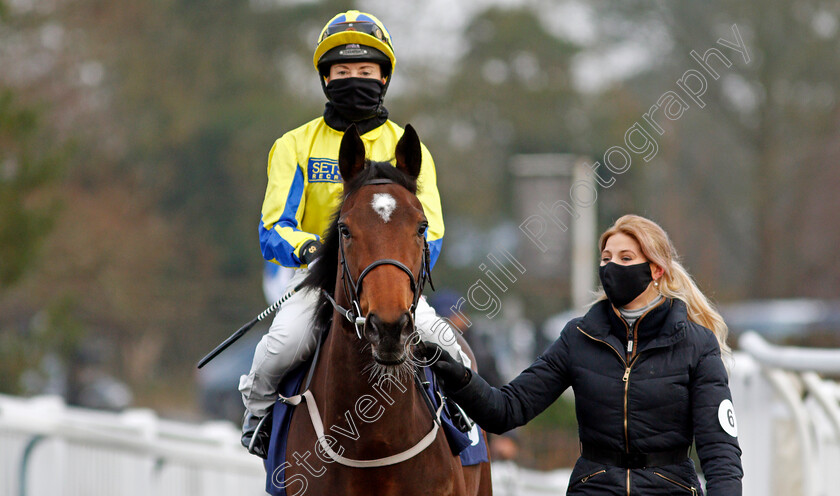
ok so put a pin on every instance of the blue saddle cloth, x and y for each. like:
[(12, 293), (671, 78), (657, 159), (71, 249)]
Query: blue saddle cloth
[(470, 446), (275, 463)]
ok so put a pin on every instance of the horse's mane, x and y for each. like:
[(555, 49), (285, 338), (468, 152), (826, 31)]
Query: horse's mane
[(323, 275)]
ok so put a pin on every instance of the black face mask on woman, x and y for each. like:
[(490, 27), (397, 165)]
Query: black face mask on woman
[(356, 99), (624, 283)]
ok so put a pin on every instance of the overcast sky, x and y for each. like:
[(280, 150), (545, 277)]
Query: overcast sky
[(433, 29)]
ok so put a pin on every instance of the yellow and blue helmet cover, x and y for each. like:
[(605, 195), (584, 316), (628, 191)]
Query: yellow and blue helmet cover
[(345, 36)]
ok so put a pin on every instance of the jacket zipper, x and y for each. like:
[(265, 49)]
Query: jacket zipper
[(626, 380), (629, 338), (632, 357), (632, 350), (628, 482), (691, 489), (633, 336), (583, 481)]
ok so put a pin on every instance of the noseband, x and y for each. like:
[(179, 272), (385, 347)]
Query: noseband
[(353, 289)]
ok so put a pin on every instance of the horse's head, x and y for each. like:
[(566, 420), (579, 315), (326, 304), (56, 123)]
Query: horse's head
[(380, 231)]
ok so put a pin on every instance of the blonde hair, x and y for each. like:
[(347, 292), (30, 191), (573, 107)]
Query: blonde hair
[(675, 282)]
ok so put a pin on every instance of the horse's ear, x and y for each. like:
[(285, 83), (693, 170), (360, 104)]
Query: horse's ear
[(351, 154), (408, 153)]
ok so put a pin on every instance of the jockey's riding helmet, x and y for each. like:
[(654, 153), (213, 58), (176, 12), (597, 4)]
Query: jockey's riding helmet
[(354, 36)]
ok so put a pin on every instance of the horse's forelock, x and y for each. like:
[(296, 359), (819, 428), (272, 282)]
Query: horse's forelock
[(380, 170)]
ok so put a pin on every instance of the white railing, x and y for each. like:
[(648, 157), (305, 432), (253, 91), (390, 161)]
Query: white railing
[(789, 418), (47, 448), (788, 422)]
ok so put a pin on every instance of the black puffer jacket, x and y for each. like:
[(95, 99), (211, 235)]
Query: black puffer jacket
[(668, 393)]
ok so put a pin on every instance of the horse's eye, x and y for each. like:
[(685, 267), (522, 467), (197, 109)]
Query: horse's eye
[(344, 231), (421, 230)]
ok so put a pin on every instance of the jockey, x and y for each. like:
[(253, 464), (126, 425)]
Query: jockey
[(355, 61)]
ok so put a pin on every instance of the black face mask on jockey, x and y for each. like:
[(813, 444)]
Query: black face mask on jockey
[(356, 99), (624, 283)]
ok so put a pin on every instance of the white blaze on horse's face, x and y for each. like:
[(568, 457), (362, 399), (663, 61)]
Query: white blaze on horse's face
[(383, 204)]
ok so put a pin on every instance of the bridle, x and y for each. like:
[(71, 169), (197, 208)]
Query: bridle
[(353, 289)]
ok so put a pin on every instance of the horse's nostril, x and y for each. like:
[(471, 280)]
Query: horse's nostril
[(374, 323), (405, 320), (378, 330)]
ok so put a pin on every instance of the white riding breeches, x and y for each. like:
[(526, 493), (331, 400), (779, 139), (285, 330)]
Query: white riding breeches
[(291, 340)]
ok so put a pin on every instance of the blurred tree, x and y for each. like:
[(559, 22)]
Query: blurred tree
[(174, 107), (511, 93), (551, 438), (204, 92), (28, 171), (746, 184)]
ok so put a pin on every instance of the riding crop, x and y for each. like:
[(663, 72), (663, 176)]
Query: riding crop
[(242, 330)]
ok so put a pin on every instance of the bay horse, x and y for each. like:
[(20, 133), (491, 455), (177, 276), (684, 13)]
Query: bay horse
[(368, 406)]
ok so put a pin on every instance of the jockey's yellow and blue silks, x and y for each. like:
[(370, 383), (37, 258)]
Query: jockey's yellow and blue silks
[(304, 188)]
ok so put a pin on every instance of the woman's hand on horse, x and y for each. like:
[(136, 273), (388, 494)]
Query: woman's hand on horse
[(449, 371)]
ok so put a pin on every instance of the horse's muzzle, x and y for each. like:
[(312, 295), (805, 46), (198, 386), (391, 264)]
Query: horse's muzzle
[(387, 339)]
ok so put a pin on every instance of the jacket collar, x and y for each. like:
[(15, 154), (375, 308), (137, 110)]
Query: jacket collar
[(663, 325)]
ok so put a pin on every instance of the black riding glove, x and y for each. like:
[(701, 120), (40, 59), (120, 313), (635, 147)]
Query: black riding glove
[(452, 375), (310, 251)]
